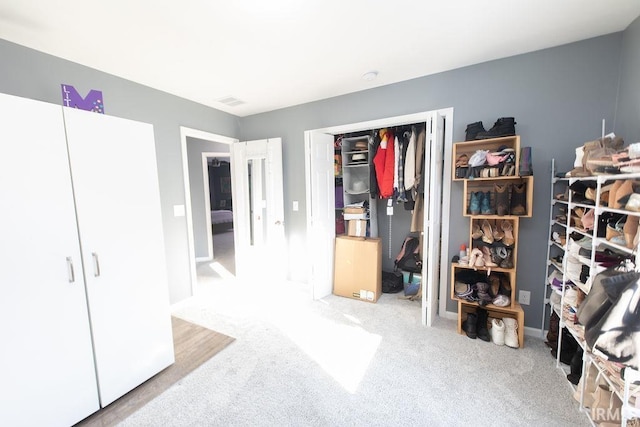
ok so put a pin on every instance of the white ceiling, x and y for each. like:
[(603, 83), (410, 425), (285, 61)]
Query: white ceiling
[(277, 53)]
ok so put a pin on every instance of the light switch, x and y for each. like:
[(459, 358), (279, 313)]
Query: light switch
[(178, 210), (295, 206)]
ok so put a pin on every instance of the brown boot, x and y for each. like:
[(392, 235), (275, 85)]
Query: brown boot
[(612, 193), (502, 198), (624, 190), (630, 229), (519, 199)]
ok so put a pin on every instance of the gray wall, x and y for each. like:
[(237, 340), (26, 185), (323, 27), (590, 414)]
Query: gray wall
[(31, 74), (628, 115), (200, 218), (558, 96)]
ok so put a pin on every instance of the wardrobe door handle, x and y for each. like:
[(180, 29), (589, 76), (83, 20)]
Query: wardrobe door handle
[(71, 273), (96, 264)]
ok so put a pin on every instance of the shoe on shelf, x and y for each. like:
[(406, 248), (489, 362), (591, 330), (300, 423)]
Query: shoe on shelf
[(505, 286), (496, 259), (501, 192), (487, 235), (485, 204), (486, 256), (526, 166), (470, 326), (630, 230), (482, 290), (625, 189), (474, 203), (476, 233), (462, 161), (497, 331), (481, 326), (501, 301), (507, 228), (613, 192), (633, 204), (504, 126), (476, 258), (519, 199), (510, 332), (472, 131), (507, 262)]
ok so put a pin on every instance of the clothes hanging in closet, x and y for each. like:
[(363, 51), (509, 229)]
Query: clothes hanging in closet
[(417, 218), (384, 164)]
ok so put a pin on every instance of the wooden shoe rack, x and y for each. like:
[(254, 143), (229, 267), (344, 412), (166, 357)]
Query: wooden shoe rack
[(479, 182)]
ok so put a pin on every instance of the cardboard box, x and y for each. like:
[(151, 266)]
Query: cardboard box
[(354, 210), (357, 228), (358, 268)]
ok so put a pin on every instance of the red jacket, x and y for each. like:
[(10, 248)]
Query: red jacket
[(384, 164)]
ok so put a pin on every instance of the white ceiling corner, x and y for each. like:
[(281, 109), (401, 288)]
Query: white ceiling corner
[(279, 53)]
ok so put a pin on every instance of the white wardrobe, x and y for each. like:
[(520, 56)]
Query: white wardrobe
[(84, 305)]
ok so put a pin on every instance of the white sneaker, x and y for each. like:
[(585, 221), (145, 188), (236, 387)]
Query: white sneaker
[(511, 332), (497, 331)]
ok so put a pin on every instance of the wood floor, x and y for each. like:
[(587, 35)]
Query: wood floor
[(193, 345)]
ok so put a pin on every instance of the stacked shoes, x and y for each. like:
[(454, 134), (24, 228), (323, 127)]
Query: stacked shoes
[(504, 126), (503, 331)]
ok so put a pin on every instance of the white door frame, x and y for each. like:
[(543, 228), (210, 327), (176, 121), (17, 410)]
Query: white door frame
[(207, 199), (185, 133), (422, 117), (264, 259)]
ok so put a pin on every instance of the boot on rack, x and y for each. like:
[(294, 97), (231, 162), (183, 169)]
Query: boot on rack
[(526, 168), (485, 204), (472, 131), (519, 199), (470, 325), (510, 332), (501, 192), (497, 331), (481, 327), (504, 126)]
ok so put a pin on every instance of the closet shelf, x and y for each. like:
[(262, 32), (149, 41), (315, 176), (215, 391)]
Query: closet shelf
[(482, 268), (606, 369)]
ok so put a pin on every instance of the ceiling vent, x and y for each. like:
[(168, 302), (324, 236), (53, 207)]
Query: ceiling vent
[(231, 101)]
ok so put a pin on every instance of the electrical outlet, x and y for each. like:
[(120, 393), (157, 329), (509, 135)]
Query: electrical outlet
[(524, 297)]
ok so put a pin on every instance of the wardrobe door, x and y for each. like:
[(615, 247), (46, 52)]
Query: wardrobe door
[(113, 163), (47, 373)]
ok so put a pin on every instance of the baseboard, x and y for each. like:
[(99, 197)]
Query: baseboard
[(451, 315), (528, 331)]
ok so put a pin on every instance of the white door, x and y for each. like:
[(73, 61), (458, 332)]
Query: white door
[(434, 148), (321, 205), (46, 361), (256, 173), (115, 181)]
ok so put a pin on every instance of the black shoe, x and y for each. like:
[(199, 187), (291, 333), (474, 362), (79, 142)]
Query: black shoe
[(473, 130), (481, 327), (504, 126), (469, 326)]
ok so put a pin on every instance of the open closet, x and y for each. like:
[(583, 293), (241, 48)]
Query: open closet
[(341, 171)]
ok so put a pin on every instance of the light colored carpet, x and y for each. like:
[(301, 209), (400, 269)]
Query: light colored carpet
[(335, 362), (193, 345)]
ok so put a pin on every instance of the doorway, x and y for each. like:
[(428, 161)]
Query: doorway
[(196, 201), (216, 172), (319, 161)]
